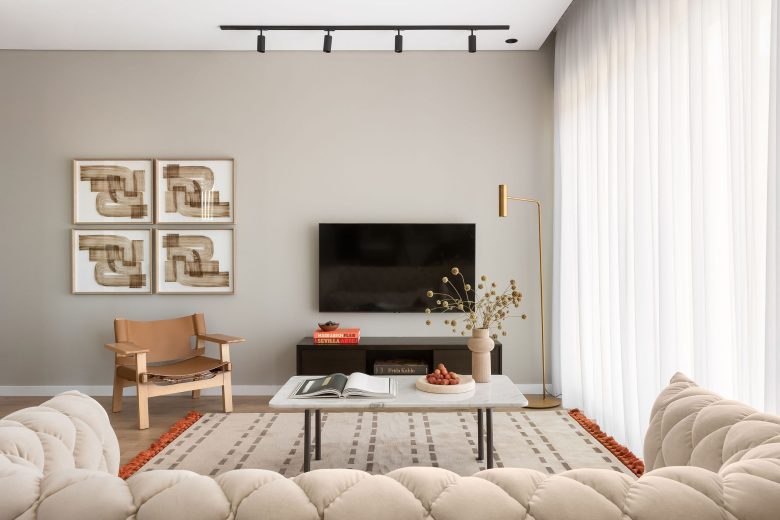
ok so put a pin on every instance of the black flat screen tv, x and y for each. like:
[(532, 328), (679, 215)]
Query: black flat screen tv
[(390, 267)]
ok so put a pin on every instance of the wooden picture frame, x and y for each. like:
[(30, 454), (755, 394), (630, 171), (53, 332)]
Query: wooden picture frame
[(195, 191), (112, 261), (113, 191), (195, 261)]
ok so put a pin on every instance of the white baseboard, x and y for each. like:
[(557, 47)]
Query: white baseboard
[(103, 390)]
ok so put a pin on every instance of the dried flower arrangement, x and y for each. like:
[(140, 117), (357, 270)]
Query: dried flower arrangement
[(487, 311)]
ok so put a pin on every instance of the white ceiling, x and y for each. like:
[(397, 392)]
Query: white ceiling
[(194, 24)]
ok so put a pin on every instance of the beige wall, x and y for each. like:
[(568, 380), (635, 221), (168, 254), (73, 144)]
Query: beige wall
[(418, 137)]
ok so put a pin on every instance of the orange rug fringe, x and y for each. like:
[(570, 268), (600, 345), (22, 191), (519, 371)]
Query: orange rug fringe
[(157, 446), (622, 453)]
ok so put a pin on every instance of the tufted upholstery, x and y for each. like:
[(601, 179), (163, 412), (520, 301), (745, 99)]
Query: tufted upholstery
[(710, 458)]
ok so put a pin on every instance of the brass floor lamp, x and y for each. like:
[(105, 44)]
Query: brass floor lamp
[(546, 400)]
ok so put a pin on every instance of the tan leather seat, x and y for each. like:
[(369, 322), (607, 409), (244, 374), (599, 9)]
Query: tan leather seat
[(192, 369)]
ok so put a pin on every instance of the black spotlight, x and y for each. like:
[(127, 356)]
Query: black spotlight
[(472, 42), (261, 42), (399, 42), (328, 43)]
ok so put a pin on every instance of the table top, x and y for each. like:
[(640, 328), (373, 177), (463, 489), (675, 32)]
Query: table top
[(500, 392)]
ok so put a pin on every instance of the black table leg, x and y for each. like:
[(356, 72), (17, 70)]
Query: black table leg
[(489, 420), (480, 436), (317, 435), (306, 441)]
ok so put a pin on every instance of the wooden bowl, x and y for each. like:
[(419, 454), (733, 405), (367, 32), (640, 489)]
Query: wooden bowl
[(328, 328)]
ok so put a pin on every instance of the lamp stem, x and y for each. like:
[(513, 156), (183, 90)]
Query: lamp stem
[(548, 400), (541, 295)]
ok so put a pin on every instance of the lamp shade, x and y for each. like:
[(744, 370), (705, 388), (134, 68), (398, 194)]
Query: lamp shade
[(503, 200)]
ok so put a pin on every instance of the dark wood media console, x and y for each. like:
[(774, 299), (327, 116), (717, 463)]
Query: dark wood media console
[(314, 359)]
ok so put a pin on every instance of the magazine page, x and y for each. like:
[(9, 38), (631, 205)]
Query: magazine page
[(332, 385), (363, 384)]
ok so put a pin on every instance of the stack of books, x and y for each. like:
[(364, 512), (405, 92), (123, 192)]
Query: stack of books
[(337, 337), (400, 367)]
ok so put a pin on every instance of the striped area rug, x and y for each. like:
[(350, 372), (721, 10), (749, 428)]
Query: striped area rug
[(547, 441)]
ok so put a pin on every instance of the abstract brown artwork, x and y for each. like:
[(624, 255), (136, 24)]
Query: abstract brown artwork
[(118, 260), (189, 262), (119, 190), (113, 191), (190, 192)]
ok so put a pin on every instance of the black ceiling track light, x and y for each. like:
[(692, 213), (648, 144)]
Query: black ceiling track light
[(261, 42), (327, 44)]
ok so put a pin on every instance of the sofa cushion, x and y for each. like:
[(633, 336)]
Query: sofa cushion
[(692, 426), (70, 430)]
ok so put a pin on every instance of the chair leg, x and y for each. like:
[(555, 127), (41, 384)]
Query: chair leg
[(116, 401), (227, 393), (143, 406), (196, 394)]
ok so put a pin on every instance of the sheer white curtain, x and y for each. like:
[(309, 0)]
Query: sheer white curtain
[(662, 134)]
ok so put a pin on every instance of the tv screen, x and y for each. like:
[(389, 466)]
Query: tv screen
[(389, 267)]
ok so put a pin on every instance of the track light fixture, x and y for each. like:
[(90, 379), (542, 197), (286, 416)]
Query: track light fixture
[(327, 44), (261, 42)]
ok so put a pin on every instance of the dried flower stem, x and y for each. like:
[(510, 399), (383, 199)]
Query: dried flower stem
[(486, 312)]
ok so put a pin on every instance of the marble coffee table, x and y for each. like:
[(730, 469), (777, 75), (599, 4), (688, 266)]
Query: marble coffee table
[(500, 392)]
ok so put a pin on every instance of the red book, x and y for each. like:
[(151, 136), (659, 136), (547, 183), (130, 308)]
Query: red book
[(338, 333), (336, 341)]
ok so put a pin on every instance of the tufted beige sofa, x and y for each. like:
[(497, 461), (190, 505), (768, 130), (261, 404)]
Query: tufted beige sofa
[(706, 457)]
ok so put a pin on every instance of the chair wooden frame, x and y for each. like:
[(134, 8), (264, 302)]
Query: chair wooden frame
[(131, 363)]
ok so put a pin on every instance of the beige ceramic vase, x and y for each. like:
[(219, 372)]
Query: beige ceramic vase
[(480, 344)]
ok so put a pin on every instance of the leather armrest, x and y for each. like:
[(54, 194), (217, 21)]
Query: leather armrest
[(126, 349), (220, 338)]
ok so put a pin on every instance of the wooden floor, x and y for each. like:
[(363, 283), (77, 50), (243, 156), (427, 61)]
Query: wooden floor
[(163, 412)]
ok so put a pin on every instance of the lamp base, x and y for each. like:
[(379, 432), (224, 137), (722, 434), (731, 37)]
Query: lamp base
[(542, 401)]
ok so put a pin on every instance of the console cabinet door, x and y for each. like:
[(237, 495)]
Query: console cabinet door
[(459, 361), (324, 362)]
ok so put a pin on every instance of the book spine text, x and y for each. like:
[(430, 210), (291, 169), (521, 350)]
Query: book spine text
[(400, 370), (336, 341)]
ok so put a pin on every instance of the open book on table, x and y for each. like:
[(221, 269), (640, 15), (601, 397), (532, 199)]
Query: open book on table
[(356, 384)]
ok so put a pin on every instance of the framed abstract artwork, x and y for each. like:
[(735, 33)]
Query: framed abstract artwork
[(195, 191), (113, 191), (111, 261), (195, 261)]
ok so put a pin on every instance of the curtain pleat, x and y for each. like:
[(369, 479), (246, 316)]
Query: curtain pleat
[(771, 345)]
